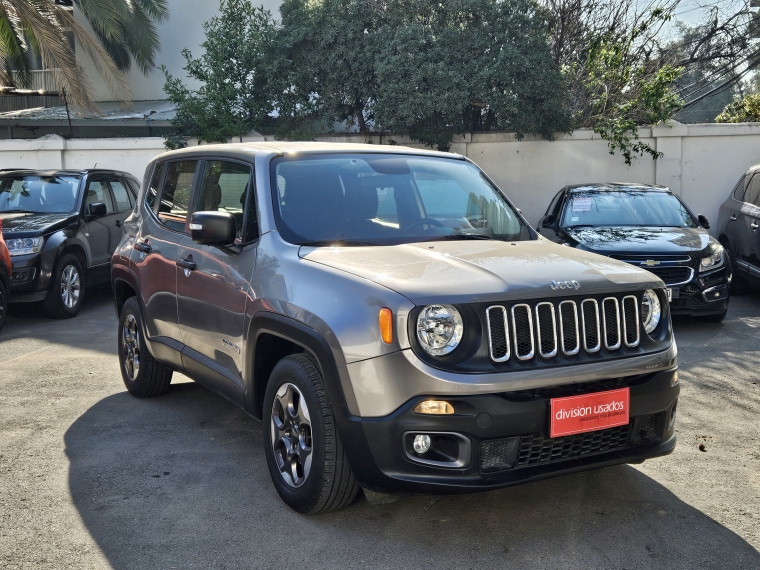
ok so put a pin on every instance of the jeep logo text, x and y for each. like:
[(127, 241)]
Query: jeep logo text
[(565, 285)]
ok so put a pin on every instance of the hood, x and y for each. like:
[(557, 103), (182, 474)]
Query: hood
[(19, 225), (641, 240), (482, 271)]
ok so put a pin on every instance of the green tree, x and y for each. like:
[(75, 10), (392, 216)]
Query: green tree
[(124, 32), (625, 91), (453, 66), (235, 72), (331, 60), (746, 110)]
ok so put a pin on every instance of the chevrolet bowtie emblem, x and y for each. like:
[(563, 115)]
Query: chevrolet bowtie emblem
[(651, 262)]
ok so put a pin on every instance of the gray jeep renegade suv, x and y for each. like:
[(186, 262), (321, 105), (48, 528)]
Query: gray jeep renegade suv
[(391, 319)]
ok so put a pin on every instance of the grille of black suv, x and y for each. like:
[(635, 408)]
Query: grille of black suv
[(544, 329), (539, 449), (672, 275), (672, 270)]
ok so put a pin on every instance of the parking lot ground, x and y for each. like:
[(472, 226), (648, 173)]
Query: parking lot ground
[(93, 478)]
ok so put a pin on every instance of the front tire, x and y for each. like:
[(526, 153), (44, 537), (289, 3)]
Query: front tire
[(304, 452), (142, 374), (66, 295)]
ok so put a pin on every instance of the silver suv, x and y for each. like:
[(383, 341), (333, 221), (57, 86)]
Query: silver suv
[(391, 319)]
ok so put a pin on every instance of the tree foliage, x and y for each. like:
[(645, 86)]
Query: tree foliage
[(463, 65), (746, 110), (124, 32), (234, 71)]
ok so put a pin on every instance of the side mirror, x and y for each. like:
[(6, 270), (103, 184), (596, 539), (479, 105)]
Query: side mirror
[(97, 210), (213, 228), (703, 222)]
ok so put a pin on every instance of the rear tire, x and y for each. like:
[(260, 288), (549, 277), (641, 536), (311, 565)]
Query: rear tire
[(304, 452), (142, 374), (66, 294)]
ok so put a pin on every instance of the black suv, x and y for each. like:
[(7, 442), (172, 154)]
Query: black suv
[(61, 228), (738, 223), (650, 227)]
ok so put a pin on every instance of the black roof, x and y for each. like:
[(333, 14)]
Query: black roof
[(615, 187)]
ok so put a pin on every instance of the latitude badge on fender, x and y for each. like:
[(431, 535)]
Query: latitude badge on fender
[(555, 285)]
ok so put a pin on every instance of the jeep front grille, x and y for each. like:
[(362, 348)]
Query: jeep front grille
[(547, 329)]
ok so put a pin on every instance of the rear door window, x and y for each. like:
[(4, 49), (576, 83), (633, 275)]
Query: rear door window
[(752, 194), (174, 202), (122, 196)]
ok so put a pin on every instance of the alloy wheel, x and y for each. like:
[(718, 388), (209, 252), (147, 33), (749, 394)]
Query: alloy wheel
[(71, 286), (291, 435), (130, 344)]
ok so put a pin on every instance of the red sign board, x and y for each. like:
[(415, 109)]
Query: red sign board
[(590, 412)]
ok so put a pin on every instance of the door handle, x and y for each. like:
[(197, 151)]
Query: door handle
[(733, 218), (186, 264), (142, 246), (118, 223), (754, 225)]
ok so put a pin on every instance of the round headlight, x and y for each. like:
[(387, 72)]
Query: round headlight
[(439, 329), (650, 311)]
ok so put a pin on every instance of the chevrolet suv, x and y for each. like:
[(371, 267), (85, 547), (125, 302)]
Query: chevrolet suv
[(391, 319)]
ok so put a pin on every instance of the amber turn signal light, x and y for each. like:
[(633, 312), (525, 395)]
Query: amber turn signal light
[(386, 325), (438, 407)]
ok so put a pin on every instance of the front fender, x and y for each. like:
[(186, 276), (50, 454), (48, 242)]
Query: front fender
[(337, 382), (54, 246)]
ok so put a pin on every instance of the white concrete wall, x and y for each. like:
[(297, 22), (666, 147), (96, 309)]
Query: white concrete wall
[(702, 162), (183, 29)]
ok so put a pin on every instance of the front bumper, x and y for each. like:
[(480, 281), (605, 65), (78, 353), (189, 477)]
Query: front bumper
[(506, 437), (26, 280), (704, 295)]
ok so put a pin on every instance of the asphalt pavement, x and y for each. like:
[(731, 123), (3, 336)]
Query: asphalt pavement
[(91, 477)]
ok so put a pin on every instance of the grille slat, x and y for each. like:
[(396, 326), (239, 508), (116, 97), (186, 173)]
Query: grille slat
[(611, 317), (568, 327), (498, 333), (590, 319), (545, 328), (522, 321), (546, 325), (631, 320)]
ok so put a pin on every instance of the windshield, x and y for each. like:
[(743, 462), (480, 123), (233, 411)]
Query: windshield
[(39, 194), (626, 208), (381, 199)]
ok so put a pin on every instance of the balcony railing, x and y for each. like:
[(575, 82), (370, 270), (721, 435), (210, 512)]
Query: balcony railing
[(43, 80)]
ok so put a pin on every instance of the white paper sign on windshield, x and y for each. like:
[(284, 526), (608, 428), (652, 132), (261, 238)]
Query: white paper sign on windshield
[(582, 204)]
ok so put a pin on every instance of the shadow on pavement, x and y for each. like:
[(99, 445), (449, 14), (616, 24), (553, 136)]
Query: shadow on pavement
[(93, 328), (181, 481)]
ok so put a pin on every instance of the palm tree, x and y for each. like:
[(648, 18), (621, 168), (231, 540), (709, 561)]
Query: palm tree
[(120, 33)]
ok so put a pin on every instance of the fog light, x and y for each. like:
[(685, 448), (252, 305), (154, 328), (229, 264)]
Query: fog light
[(421, 443), (434, 407)]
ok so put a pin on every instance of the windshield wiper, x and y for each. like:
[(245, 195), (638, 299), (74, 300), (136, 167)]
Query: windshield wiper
[(17, 211), (336, 243), (454, 237)]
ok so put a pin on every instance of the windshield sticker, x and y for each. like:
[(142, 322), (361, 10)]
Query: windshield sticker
[(574, 219), (582, 204)]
